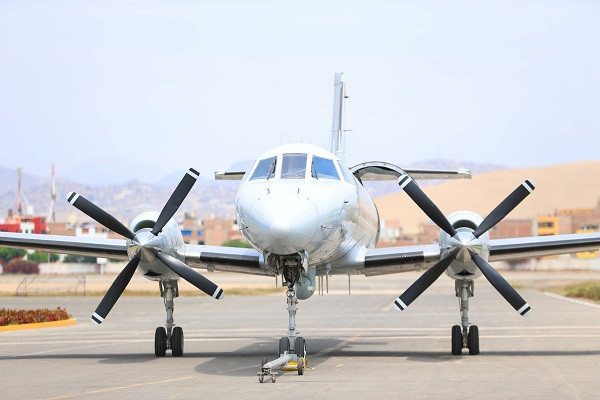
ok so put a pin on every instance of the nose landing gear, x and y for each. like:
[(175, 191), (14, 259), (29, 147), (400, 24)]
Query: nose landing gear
[(292, 348)]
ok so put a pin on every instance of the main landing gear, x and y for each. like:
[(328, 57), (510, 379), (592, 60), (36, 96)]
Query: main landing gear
[(168, 337), (464, 337), (292, 348)]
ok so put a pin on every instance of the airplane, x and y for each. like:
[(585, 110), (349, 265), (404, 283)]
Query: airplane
[(308, 216)]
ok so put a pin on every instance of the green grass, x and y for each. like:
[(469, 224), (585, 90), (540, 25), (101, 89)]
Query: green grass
[(586, 290)]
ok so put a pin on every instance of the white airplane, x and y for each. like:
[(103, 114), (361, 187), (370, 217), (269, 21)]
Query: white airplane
[(308, 216)]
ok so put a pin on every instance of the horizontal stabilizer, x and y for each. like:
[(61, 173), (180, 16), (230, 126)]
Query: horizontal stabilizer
[(229, 175), (383, 171)]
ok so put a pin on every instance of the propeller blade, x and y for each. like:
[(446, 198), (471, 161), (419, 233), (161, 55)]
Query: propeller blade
[(420, 198), (424, 281), (193, 277), (507, 205), (115, 291), (175, 200), (98, 214), (502, 286)]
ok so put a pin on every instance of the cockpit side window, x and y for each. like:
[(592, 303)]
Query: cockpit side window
[(323, 168), (293, 166), (265, 169), (347, 174)]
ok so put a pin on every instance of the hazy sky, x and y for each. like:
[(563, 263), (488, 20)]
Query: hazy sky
[(143, 88)]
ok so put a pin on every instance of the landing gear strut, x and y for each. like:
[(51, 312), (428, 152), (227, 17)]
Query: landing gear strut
[(168, 337), (292, 348), (463, 336)]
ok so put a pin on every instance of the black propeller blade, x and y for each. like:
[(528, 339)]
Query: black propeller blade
[(502, 286), (425, 204), (424, 281), (507, 205), (115, 291), (191, 276), (175, 200), (98, 214)]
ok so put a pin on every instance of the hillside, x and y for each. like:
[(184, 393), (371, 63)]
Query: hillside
[(572, 185)]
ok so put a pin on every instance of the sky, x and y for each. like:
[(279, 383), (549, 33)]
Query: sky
[(117, 90)]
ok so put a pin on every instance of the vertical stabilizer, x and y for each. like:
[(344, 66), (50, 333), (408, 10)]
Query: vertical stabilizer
[(338, 140)]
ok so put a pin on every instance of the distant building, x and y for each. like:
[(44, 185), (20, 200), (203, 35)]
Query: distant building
[(24, 224), (568, 221)]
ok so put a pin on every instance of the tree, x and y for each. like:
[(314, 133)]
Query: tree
[(41, 257), (8, 254), (237, 243), (80, 259)]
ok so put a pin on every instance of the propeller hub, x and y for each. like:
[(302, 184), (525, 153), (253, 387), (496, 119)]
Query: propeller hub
[(464, 243), (145, 245)]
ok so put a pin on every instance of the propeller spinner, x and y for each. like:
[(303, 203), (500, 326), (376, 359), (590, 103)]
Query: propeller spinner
[(464, 245), (145, 245)]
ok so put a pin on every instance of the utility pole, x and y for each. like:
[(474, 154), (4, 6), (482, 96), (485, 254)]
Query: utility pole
[(52, 211)]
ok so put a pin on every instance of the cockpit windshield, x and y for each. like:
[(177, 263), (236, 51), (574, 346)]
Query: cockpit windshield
[(323, 168), (265, 169), (293, 166)]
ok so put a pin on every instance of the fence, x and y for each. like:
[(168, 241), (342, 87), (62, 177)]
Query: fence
[(52, 286)]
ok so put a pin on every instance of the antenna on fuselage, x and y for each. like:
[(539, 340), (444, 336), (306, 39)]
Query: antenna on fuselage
[(338, 140)]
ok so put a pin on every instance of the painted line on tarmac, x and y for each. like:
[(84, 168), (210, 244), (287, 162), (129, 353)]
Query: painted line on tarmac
[(580, 302), (114, 388)]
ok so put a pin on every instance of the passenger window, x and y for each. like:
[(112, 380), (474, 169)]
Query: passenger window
[(293, 166), (265, 169), (348, 176), (323, 168)]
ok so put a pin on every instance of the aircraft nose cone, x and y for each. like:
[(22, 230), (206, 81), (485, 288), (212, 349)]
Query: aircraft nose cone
[(283, 224), (280, 228)]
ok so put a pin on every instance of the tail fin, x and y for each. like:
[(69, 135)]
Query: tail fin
[(338, 140)]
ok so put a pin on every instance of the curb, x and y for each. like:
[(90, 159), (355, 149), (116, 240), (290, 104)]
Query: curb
[(38, 325)]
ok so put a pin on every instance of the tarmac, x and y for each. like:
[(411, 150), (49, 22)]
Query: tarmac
[(359, 346)]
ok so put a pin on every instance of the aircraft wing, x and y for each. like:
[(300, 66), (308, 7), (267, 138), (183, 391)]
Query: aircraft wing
[(84, 246), (248, 261), (390, 260), (231, 259), (382, 171), (537, 246)]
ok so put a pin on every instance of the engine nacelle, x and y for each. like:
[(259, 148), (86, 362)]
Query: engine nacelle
[(170, 240), (465, 221)]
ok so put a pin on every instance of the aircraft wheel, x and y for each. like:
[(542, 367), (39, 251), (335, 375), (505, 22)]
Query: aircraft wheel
[(473, 340), (300, 365), (177, 341), (300, 346), (284, 346), (160, 342), (457, 340)]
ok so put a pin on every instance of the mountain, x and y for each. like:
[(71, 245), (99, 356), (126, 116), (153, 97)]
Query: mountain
[(561, 186)]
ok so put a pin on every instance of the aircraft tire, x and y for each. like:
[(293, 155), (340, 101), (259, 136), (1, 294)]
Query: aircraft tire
[(160, 341), (457, 340), (473, 340), (177, 341)]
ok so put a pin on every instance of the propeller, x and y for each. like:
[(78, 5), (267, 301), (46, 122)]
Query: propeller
[(145, 245), (462, 244)]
